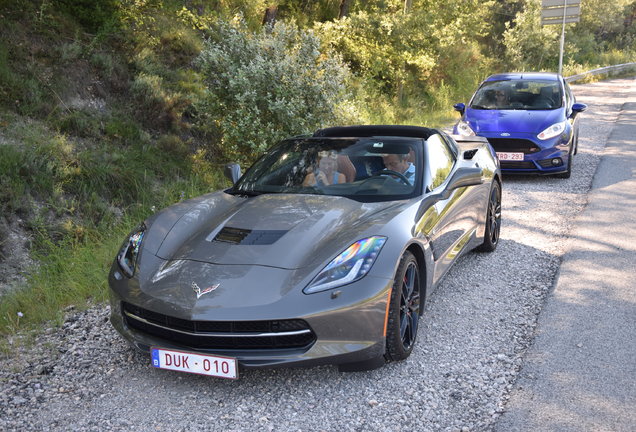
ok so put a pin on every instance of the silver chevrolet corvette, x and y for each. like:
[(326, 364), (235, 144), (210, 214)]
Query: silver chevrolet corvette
[(323, 252)]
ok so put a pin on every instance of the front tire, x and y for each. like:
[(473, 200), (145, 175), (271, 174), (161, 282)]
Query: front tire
[(404, 309), (568, 173), (493, 220), (576, 142), (574, 149)]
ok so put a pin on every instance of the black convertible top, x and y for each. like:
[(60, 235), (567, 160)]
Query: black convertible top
[(376, 130)]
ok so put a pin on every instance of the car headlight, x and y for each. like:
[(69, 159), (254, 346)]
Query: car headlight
[(349, 266), (127, 256), (554, 130), (464, 129)]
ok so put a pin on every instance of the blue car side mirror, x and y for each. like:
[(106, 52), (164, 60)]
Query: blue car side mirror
[(579, 107), (460, 107)]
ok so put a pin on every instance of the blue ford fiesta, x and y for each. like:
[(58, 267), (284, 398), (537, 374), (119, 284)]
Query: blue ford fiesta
[(530, 119)]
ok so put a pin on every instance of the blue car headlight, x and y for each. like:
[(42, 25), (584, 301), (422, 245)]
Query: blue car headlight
[(350, 266), (554, 130), (127, 256)]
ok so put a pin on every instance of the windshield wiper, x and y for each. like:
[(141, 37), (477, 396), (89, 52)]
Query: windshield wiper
[(479, 107)]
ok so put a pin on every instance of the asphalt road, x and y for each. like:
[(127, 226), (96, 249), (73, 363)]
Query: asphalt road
[(580, 373), (480, 331)]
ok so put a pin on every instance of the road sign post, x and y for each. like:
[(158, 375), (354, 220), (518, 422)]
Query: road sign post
[(560, 12)]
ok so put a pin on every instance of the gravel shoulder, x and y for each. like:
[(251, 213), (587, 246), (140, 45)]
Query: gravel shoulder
[(475, 334)]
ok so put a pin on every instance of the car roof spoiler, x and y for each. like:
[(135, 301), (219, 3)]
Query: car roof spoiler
[(376, 130)]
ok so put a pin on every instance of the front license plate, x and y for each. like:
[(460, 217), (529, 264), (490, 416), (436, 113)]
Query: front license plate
[(510, 156), (203, 364)]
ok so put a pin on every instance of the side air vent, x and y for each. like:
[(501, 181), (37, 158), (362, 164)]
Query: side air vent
[(241, 236)]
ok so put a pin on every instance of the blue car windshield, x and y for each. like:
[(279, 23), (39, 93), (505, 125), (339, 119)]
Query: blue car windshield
[(364, 169), (518, 95)]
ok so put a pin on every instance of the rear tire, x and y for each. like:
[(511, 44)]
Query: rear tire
[(493, 220), (404, 310)]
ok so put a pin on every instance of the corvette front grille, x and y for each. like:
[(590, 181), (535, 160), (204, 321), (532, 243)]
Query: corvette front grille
[(513, 145), (223, 335)]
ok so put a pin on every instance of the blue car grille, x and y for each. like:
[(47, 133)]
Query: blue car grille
[(220, 335), (513, 145), (517, 165)]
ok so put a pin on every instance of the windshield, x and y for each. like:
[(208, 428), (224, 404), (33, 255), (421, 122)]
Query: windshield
[(518, 95), (365, 169)]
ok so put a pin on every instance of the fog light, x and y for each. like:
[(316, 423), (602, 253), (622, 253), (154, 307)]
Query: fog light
[(557, 162)]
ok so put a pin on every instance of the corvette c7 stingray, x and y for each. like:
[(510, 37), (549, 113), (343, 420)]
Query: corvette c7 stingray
[(282, 269)]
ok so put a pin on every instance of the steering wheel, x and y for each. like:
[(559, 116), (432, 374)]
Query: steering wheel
[(392, 173)]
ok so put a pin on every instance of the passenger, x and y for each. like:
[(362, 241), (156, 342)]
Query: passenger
[(326, 173)]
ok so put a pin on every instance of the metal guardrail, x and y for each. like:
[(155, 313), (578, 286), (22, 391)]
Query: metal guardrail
[(607, 69)]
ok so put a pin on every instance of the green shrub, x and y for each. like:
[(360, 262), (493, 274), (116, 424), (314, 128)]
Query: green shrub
[(123, 130), (8, 80), (80, 123), (157, 106), (104, 63), (179, 45), (70, 51), (267, 85), (173, 146), (92, 14)]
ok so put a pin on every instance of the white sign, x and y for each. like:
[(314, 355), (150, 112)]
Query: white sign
[(561, 3)]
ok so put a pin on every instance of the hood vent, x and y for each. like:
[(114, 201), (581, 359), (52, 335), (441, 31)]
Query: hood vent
[(241, 236)]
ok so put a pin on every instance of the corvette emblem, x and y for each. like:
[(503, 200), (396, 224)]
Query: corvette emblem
[(505, 134), (200, 292)]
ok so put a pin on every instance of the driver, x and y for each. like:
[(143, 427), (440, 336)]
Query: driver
[(400, 163)]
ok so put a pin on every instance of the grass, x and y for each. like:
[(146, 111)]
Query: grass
[(74, 271), (79, 201), (69, 273)]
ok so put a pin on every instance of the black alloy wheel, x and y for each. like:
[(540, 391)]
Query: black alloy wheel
[(404, 310), (493, 220)]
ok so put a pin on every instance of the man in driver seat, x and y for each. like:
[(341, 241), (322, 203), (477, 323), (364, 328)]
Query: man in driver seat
[(400, 164)]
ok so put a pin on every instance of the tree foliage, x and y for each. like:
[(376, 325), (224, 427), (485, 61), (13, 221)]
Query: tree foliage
[(390, 46), (530, 46), (603, 27)]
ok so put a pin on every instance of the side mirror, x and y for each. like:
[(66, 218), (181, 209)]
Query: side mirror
[(460, 107), (463, 177), (578, 107), (233, 172)]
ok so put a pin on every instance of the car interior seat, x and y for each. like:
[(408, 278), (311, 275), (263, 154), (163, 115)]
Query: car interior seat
[(544, 99), (345, 166)]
